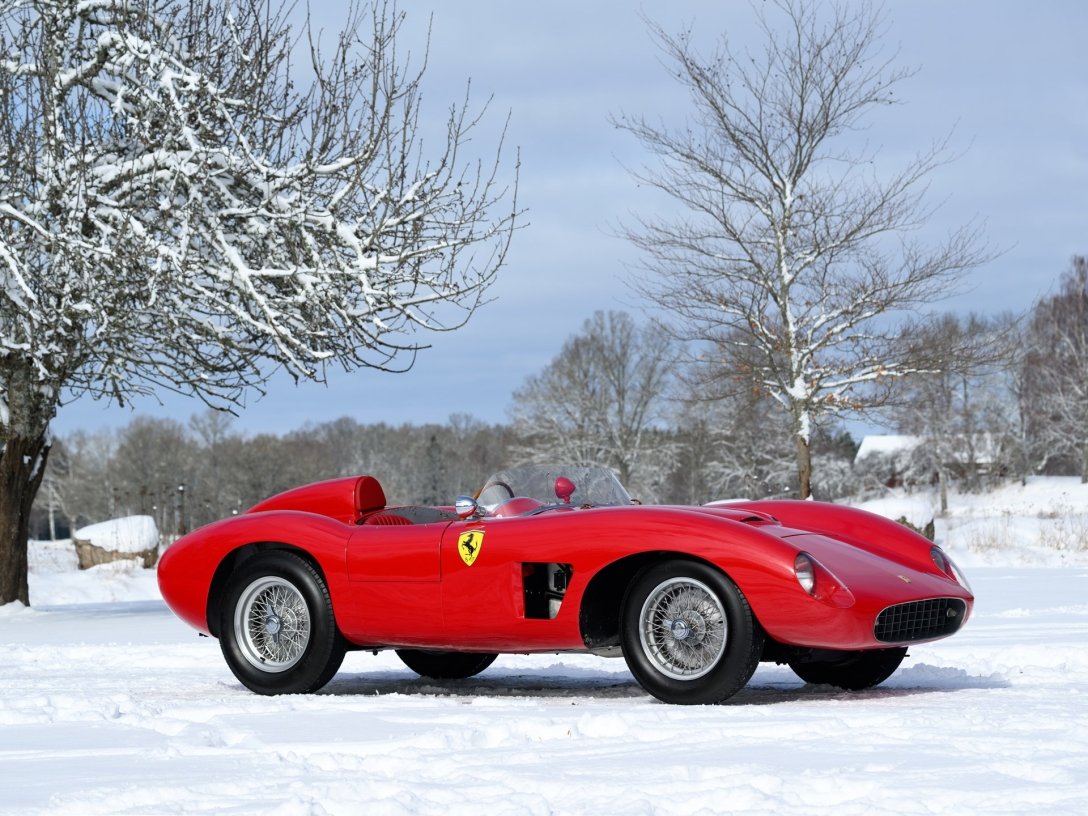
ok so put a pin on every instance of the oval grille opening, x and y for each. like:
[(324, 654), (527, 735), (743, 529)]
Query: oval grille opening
[(920, 620)]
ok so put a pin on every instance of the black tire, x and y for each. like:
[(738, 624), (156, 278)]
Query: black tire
[(852, 671), (276, 626), (445, 665), (689, 636)]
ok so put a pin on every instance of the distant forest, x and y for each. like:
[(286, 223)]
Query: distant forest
[(189, 474), (994, 398)]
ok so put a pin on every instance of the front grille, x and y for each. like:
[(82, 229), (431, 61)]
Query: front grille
[(920, 620)]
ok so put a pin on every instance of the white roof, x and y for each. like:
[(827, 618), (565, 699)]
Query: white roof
[(875, 444)]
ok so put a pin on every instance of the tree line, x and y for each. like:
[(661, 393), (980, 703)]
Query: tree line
[(1007, 400), (186, 474), (990, 398)]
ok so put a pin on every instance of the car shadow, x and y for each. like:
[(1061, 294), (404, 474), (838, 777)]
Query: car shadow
[(599, 685), (770, 685)]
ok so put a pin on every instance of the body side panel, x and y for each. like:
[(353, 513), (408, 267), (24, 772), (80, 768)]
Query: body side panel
[(394, 596)]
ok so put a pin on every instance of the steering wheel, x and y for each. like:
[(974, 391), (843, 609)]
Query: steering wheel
[(498, 483), (499, 486)]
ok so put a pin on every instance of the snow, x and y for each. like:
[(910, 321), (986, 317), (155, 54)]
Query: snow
[(1041, 523), (109, 705), (131, 534)]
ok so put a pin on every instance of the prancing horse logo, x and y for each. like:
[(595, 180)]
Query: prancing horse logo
[(469, 544)]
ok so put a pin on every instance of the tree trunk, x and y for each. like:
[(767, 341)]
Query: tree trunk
[(804, 466), (22, 466)]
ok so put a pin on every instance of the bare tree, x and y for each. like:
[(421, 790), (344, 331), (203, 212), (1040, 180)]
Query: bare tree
[(791, 250), (1018, 396), (956, 406), (176, 213), (152, 474), (597, 400), (1056, 373), (217, 443), (740, 444), (80, 472)]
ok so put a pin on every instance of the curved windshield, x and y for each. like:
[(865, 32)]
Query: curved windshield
[(592, 485)]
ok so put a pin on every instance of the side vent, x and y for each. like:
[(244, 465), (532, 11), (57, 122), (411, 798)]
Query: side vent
[(545, 586)]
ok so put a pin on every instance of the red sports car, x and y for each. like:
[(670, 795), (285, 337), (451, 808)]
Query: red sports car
[(562, 560)]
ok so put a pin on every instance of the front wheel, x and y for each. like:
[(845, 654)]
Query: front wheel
[(276, 626), (445, 665), (852, 671), (689, 636)]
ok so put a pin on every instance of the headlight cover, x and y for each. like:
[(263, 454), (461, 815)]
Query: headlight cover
[(820, 582), (948, 567), (805, 569)]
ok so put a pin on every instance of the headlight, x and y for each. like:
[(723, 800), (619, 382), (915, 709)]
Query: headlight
[(948, 567), (805, 570), (960, 577), (820, 582)]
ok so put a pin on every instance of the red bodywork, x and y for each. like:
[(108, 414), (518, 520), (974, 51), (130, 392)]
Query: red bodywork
[(397, 578)]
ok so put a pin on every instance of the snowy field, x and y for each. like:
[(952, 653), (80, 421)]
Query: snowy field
[(108, 705)]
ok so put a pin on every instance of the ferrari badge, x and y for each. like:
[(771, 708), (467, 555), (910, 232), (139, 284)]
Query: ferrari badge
[(469, 544)]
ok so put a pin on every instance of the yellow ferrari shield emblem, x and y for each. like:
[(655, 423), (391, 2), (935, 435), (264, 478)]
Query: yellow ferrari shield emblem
[(469, 544)]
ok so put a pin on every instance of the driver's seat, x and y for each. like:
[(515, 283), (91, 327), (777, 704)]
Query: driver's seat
[(411, 514)]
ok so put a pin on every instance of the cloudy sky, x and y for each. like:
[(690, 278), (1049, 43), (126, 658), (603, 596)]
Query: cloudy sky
[(1008, 80)]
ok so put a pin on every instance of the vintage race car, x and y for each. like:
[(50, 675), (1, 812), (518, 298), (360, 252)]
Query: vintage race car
[(559, 559)]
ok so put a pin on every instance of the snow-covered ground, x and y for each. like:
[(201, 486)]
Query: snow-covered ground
[(108, 705)]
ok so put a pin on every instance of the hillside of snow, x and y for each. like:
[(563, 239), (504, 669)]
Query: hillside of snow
[(1042, 523), (110, 705)]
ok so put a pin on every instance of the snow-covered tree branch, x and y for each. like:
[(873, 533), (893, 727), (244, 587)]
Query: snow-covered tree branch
[(179, 210), (791, 251)]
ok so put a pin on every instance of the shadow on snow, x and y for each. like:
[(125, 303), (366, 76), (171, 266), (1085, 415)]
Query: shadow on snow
[(769, 686)]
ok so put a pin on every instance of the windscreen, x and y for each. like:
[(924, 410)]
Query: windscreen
[(593, 485)]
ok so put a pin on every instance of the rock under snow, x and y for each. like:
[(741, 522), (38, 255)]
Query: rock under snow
[(118, 539)]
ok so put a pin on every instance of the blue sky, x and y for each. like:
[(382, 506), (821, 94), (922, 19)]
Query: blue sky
[(1009, 80)]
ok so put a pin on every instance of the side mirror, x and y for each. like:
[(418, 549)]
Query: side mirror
[(466, 507), (564, 489)]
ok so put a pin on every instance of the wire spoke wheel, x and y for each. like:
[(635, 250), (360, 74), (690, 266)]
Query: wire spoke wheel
[(272, 624), (684, 629), (688, 634), (276, 625)]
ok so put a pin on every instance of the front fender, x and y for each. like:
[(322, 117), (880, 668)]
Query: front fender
[(859, 528)]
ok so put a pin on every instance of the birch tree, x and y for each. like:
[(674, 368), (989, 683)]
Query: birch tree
[(179, 210), (791, 254)]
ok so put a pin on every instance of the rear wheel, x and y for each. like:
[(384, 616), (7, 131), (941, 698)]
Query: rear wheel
[(445, 665), (852, 671), (276, 626), (689, 636)]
